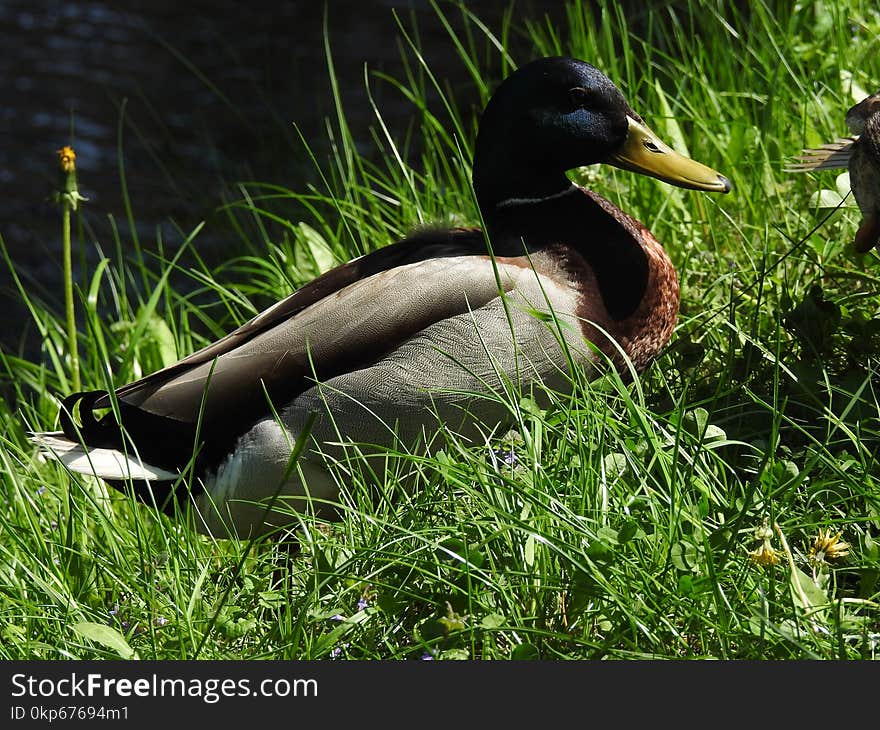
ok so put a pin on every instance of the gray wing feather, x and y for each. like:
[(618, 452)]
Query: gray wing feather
[(834, 155)]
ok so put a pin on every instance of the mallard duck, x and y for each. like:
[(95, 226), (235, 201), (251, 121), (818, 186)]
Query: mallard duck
[(861, 155), (381, 349)]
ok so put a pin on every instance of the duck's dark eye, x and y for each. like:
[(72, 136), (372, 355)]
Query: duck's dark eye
[(581, 98)]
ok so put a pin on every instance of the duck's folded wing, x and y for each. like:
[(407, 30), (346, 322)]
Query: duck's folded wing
[(423, 246), (831, 156), (346, 320)]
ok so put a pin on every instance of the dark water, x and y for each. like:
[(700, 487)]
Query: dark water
[(211, 90)]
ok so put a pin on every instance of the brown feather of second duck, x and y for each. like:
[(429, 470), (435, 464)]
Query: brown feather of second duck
[(864, 169), (861, 155)]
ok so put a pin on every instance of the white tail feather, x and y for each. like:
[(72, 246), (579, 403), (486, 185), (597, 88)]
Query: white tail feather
[(103, 463)]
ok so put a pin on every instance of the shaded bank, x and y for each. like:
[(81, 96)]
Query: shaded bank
[(211, 93)]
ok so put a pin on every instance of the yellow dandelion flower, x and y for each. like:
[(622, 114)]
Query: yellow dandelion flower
[(765, 554), (67, 158), (67, 194), (828, 546)]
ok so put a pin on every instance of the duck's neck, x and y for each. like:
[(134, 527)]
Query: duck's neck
[(505, 177), (494, 192), (608, 240)]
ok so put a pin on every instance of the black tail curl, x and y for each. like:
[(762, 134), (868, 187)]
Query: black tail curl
[(104, 433), (159, 441)]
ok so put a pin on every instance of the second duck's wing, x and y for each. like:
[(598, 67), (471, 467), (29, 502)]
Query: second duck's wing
[(831, 156)]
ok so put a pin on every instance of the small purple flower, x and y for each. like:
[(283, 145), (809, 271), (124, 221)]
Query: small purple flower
[(337, 617), (53, 524), (336, 652), (507, 457), (427, 657), (113, 611), (41, 491), (161, 620), (362, 604)]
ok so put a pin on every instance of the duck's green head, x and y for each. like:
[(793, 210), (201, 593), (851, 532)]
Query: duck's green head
[(555, 114)]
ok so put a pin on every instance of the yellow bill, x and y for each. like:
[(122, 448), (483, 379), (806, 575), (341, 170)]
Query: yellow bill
[(644, 152)]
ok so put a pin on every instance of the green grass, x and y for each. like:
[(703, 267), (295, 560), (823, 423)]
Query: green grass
[(623, 526)]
